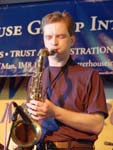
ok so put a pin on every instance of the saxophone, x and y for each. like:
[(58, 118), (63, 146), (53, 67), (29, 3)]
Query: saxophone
[(27, 134)]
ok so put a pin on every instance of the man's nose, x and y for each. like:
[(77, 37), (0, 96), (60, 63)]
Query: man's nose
[(54, 41)]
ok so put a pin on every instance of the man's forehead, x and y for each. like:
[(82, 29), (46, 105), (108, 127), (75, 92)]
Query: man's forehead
[(59, 27)]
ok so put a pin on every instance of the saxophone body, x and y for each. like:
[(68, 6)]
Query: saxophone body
[(27, 134)]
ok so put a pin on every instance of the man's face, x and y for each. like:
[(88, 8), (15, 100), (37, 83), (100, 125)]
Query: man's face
[(56, 36)]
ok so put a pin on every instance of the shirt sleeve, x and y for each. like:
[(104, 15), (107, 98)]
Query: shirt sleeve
[(96, 95)]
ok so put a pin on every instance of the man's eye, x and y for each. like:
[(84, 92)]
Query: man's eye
[(62, 36), (48, 37)]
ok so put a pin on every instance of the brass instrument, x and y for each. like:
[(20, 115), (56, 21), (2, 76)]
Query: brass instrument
[(28, 134)]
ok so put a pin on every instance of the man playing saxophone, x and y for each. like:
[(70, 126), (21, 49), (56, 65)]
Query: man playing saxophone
[(73, 95)]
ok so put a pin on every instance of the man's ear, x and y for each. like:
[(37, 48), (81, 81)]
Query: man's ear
[(73, 40)]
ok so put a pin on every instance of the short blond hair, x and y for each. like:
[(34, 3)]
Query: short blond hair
[(58, 16)]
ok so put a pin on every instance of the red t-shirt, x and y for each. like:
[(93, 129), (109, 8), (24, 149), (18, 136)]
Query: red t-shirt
[(78, 89)]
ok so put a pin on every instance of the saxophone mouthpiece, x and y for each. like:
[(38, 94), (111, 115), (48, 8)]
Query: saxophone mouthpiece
[(46, 52), (52, 52)]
